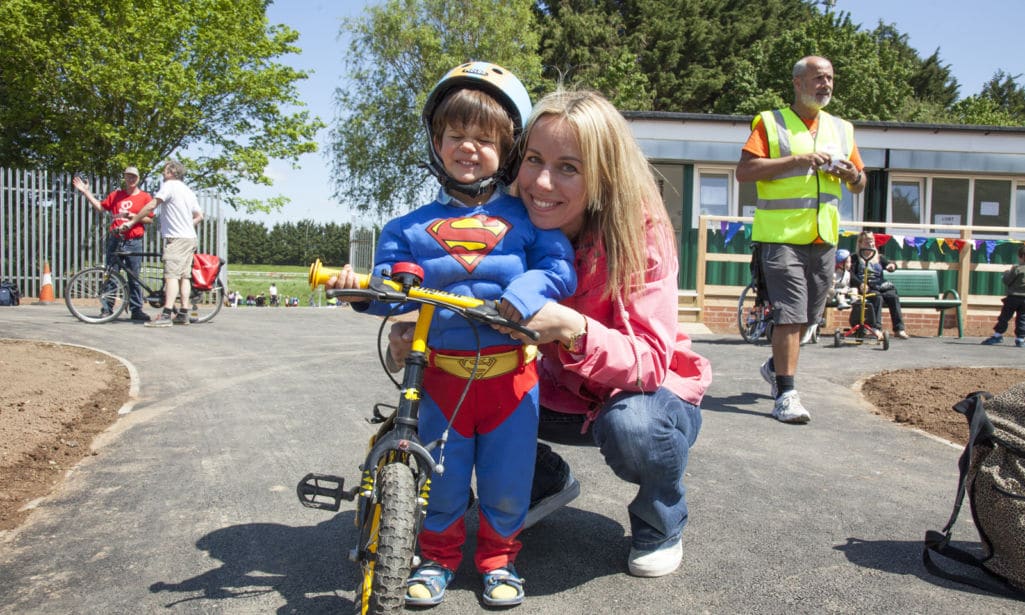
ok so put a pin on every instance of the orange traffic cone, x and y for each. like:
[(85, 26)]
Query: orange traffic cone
[(46, 290)]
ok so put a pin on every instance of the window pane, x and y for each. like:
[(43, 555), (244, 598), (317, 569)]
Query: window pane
[(992, 204), (1019, 207), (906, 200), (670, 184), (949, 201), (713, 195), (846, 205), (748, 198)]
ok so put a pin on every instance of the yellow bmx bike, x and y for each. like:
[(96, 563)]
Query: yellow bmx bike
[(392, 494)]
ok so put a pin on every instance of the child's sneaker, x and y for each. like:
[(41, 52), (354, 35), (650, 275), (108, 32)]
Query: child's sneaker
[(1019, 342), (995, 339), (841, 304), (181, 318)]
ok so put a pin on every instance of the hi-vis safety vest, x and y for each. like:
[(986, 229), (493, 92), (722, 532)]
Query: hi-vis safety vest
[(801, 205)]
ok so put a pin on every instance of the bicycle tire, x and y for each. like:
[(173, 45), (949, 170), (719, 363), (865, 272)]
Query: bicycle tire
[(88, 289), (390, 542), (207, 303), (751, 321)]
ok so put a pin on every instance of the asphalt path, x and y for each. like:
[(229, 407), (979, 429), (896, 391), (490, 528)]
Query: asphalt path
[(189, 504)]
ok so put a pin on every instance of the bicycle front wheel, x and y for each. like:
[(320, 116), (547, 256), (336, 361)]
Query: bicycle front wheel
[(95, 295), (390, 542), (206, 303), (752, 320)]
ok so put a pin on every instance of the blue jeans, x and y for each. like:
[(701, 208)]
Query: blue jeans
[(646, 439), (115, 244)]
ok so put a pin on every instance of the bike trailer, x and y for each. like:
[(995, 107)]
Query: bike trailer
[(205, 269)]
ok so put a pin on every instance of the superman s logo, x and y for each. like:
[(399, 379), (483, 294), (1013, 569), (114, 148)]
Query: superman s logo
[(469, 240)]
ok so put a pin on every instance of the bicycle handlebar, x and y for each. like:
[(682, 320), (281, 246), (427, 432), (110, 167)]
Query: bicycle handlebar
[(377, 288)]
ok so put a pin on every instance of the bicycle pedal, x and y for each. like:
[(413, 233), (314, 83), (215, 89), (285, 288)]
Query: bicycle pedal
[(323, 491)]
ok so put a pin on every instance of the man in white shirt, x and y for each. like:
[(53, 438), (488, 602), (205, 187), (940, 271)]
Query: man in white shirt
[(179, 215)]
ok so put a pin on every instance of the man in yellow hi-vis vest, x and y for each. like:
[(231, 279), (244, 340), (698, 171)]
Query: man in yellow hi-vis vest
[(799, 156)]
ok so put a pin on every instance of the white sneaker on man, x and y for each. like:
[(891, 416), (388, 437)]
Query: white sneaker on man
[(788, 409), (769, 376), (656, 563)]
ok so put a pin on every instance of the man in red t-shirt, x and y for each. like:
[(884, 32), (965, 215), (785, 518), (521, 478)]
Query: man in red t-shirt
[(121, 204)]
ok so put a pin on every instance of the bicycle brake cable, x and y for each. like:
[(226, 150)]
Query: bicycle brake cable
[(443, 439)]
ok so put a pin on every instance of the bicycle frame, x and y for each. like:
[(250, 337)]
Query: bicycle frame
[(108, 287), (397, 440)]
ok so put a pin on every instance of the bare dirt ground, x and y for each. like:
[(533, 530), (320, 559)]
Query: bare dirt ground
[(55, 399)]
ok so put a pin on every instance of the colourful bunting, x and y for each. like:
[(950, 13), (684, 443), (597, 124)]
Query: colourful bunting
[(731, 230)]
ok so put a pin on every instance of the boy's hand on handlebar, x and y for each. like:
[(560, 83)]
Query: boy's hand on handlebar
[(346, 278), (507, 311)]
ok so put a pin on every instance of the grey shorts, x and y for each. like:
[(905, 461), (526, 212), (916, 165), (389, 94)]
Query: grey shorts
[(178, 253), (798, 280)]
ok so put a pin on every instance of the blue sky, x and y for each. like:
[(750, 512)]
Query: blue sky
[(974, 37)]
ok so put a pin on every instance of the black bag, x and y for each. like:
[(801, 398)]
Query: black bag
[(9, 293), (993, 475)]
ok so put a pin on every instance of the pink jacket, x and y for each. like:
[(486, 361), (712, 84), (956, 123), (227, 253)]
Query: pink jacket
[(629, 347)]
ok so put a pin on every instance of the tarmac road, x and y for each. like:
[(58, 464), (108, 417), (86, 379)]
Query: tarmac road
[(189, 505)]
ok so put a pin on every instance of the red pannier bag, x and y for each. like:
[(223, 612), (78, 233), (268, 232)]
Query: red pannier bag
[(205, 269)]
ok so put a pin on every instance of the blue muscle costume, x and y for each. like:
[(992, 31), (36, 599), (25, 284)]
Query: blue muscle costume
[(489, 251)]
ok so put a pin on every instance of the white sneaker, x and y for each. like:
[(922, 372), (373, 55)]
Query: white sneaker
[(769, 376), (657, 563), (788, 409)]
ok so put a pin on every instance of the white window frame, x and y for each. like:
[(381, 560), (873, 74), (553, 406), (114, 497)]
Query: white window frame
[(733, 195), (926, 188)]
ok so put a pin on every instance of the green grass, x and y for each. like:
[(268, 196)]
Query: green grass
[(290, 280)]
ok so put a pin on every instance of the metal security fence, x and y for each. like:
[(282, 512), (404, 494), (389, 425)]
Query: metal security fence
[(362, 243), (43, 219)]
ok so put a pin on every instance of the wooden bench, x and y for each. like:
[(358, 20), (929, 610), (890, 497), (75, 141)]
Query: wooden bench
[(918, 288)]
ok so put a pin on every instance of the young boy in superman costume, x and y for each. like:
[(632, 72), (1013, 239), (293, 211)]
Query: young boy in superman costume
[(476, 240)]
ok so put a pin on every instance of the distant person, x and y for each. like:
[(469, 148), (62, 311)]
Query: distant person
[(843, 293), (179, 215), (121, 204), (273, 292), (800, 156), (1014, 303)]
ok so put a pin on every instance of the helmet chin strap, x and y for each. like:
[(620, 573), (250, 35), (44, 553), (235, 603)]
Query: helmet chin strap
[(473, 190)]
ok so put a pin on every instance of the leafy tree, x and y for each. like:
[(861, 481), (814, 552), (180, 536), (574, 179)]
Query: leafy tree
[(871, 80), (398, 51), (584, 45), (288, 243), (1006, 94), (246, 241), (96, 85)]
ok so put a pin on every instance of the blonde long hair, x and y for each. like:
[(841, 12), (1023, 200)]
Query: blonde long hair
[(623, 198)]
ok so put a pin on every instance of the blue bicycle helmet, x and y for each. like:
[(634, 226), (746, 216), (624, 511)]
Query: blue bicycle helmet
[(842, 255), (506, 89)]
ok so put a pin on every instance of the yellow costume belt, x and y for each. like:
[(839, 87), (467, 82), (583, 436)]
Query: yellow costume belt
[(489, 365)]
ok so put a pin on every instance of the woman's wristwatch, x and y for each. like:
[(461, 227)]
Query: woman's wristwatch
[(576, 341)]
